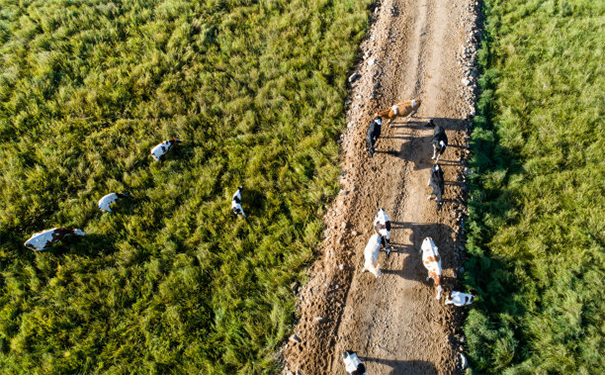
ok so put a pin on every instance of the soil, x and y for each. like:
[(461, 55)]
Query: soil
[(416, 49)]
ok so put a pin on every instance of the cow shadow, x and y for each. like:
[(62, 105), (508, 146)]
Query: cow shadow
[(423, 123), (415, 123), (404, 367), (450, 123), (410, 146), (444, 162), (91, 245), (253, 201)]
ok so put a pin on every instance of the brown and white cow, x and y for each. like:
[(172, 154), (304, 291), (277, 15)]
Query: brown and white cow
[(459, 299), (371, 255), (158, 151), (41, 240), (403, 109), (432, 262)]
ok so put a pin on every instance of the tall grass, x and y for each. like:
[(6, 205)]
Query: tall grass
[(171, 283), (537, 230)]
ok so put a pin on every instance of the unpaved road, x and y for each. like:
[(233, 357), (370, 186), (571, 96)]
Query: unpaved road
[(415, 49)]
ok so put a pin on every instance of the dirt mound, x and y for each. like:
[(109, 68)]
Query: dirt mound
[(416, 49)]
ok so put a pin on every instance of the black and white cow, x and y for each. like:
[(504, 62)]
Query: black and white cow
[(437, 182), (236, 202), (382, 227), (439, 141), (106, 202), (41, 240), (353, 364), (373, 134), (158, 151)]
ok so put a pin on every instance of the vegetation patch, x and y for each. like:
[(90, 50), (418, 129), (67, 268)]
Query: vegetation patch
[(537, 233), (173, 282)]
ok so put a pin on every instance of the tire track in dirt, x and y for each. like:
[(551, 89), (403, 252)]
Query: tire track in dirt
[(394, 323)]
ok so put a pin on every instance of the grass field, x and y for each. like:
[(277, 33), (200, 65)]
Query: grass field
[(537, 229), (173, 282)]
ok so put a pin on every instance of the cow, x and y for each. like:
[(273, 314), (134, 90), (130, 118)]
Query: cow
[(371, 255), (41, 240), (106, 202), (460, 299), (439, 141), (373, 134), (158, 151), (236, 203), (407, 108), (436, 182), (432, 262), (353, 364), (382, 227)]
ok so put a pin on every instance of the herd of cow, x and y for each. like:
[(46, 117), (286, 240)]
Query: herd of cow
[(382, 225)]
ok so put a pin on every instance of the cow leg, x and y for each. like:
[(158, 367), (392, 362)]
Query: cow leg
[(434, 151), (411, 115)]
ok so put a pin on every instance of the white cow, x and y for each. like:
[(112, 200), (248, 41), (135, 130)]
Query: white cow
[(371, 256), (236, 202), (106, 202), (432, 262), (158, 151), (382, 227), (459, 299), (41, 240), (353, 364)]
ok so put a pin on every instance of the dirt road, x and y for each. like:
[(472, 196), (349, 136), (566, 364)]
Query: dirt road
[(416, 49)]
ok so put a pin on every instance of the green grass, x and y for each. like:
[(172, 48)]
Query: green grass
[(537, 228), (172, 283)]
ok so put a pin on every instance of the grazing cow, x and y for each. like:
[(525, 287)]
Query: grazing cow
[(41, 240), (158, 151), (460, 299), (373, 134), (439, 141), (371, 255), (382, 227), (106, 202), (432, 262), (236, 202), (353, 364), (407, 108), (437, 182)]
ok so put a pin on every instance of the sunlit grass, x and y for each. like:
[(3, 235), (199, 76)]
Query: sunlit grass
[(173, 282), (536, 235)]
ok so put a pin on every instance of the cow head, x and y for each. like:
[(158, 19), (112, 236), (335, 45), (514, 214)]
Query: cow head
[(439, 202), (78, 232)]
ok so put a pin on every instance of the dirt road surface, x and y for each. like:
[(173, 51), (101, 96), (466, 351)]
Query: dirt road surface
[(415, 49)]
